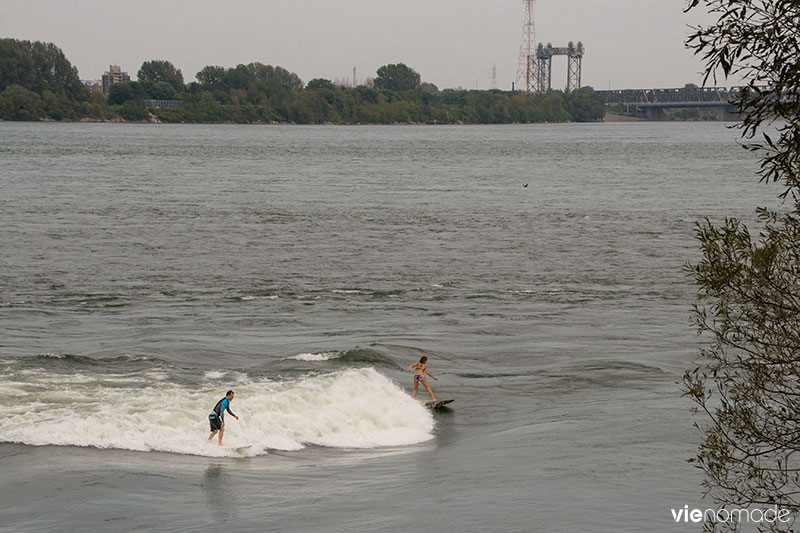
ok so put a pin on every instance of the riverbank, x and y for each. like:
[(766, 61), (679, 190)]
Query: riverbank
[(614, 117)]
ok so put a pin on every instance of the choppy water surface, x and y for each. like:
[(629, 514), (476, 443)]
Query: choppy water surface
[(147, 269)]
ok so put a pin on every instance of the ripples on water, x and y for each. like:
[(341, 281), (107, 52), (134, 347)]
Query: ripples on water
[(308, 266)]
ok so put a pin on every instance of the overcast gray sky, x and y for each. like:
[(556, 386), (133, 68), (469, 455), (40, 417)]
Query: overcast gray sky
[(629, 43)]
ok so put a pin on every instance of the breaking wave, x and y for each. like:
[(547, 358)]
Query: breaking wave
[(148, 411)]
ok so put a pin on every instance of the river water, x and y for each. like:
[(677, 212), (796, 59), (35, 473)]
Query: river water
[(146, 269)]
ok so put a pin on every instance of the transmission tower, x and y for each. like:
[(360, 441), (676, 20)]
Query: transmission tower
[(527, 65), (494, 77)]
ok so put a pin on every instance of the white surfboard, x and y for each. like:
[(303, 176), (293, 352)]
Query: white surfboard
[(238, 448)]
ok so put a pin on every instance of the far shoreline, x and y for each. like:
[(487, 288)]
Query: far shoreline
[(609, 118)]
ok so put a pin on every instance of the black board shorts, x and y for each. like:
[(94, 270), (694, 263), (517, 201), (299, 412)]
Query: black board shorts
[(215, 422)]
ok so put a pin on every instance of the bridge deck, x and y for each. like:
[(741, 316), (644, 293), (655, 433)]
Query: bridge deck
[(683, 96)]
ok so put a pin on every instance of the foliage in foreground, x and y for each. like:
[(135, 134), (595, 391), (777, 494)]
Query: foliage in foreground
[(748, 381)]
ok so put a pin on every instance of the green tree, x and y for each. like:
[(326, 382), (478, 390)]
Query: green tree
[(134, 110), (428, 88), (159, 70), (320, 83), (56, 106), (748, 378), (202, 108), (119, 93), (585, 105), (211, 78), (159, 90), (39, 66), (550, 108), (16, 64), (95, 107), (18, 103), (397, 77), (367, 94), (239, 77), (275, 76)]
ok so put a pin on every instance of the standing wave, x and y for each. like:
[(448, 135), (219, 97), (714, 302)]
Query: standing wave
[(353, 408)]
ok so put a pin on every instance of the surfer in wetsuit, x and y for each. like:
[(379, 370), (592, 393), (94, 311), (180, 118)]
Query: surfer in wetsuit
[(217, 416), (420, 369)]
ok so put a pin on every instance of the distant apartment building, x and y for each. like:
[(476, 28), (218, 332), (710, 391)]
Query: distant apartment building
[(112, 76)]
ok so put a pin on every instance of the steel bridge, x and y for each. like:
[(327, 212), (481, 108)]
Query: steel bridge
[(651, 103)]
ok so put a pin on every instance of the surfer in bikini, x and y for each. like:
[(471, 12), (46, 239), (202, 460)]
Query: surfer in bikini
[(217, 416), (420, 369)]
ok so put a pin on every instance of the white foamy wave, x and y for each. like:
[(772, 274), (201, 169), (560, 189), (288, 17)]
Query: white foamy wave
[(356, 408), (231, 377), (248, 297), (319, 356), (157, 375)]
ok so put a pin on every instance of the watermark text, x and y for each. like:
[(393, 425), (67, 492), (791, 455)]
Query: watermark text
[(770, 515)]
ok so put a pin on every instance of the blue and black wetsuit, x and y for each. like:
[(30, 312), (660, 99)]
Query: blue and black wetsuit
[(217, 416)]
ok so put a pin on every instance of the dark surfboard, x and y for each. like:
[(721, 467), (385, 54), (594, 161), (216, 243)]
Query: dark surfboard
[(438, 404)]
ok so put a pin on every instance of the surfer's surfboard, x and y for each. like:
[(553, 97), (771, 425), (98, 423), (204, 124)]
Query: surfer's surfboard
[(438, 404), (237, 448)]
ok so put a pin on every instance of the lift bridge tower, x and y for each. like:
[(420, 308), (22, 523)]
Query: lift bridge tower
[(534, 67), (544, 62)]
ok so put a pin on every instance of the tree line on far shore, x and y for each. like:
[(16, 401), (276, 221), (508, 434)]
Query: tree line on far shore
[(37, 82)]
